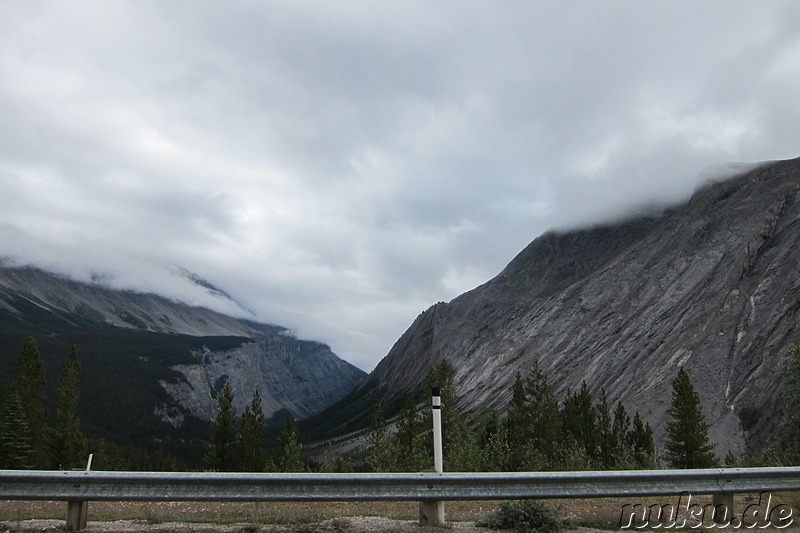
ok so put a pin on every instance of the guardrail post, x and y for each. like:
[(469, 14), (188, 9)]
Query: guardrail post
[(78, 511), (76, 515), (723, 507), (431, 513)]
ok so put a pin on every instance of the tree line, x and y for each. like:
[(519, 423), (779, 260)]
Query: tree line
[(540, 433), (537, 432)]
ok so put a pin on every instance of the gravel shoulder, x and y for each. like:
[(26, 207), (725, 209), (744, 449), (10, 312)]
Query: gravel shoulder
[(596, 516), (359, 524)]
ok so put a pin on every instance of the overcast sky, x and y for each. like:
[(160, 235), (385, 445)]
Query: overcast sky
[(339, 166)]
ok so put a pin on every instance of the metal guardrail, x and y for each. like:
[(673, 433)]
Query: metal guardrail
[(161, 486)]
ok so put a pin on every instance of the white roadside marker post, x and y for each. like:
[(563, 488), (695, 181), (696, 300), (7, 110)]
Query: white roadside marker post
[(431, 513), (436, 407)]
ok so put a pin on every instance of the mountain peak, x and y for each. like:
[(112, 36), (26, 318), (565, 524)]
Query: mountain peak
[(711, 285)]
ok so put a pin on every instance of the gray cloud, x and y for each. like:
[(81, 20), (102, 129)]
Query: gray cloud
[(339, 167)]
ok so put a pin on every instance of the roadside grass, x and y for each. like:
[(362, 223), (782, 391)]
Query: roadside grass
[(596, 514), (273, 513)]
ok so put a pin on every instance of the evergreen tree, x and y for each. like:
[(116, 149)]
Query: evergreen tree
[(29, 384), (463, 454), (380, 450), (331, 463), (620, 431), (291, 460), (495, 450), (459, 446), (580, 420), (441, 375), (221, 455), (108, 456), (68, 444), (252, 457), (641, 443), (410, 440), (16, 452), (519, 420), (573, 457), (608, 451), (687, 444), (545, 419)]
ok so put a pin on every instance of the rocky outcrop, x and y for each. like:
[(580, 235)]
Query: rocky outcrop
[(290, 374), (712, 286)]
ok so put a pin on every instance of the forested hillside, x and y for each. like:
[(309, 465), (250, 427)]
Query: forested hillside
[(155, 389)]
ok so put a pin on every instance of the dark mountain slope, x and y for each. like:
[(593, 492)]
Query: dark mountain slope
[(712, 285), (152, 367)]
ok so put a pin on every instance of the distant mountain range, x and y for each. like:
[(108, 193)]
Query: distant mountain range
[(152, 367), (712, 285)]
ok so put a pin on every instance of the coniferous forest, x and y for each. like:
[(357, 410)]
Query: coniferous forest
[(536, 433)]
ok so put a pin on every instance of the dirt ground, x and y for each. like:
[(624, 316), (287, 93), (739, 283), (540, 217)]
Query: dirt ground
[(583, 516), (300, 517), (359, 524)]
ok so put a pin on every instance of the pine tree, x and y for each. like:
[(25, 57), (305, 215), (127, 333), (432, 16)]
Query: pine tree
[(221, 455), (620, 430), (380, 449), (29, 385), (459, 446), (109, 456), (68, 444), (463, 454), (687, 444), (410, 440), (580, 420), (252, 457), (519, 419), (330, 463), (641, 443), (16, 452), (495, 449), (291, 460), (545, 419), (608, 451), (441, 375)]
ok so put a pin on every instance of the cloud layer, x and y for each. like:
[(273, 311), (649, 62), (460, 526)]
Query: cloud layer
[(337, 167)]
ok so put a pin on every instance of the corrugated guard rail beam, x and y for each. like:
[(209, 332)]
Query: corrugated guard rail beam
[(161, 486)]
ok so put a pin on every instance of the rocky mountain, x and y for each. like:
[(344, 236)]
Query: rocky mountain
[(712, 285), (150, 356), (97, 303)]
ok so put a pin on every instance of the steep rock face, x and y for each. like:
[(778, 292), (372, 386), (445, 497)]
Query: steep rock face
[(712, 285), (290, 374)]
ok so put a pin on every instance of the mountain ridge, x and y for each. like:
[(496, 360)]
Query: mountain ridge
[(122, 307), (710, 284)]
